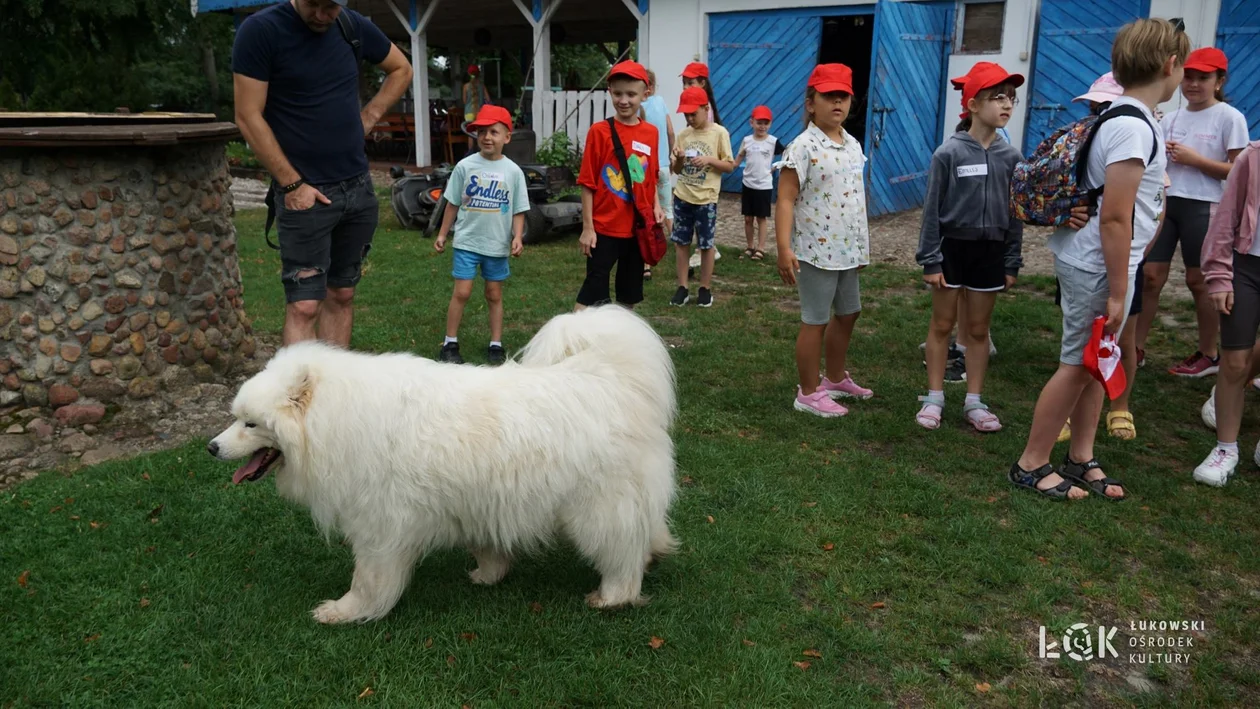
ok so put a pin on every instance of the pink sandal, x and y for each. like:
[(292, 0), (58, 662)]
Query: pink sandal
[(981, 419), (931, 420)]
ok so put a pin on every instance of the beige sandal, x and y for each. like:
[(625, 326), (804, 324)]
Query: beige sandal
[(1120, 425), (1065, 434)]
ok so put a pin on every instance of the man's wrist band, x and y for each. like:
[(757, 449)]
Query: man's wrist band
[(289, 188)]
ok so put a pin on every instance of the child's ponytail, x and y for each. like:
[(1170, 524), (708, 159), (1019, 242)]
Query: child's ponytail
[(1220, 90), (810, 94), (964, 125), (708, 90)]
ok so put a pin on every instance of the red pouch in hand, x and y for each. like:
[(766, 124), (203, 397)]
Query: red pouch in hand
[(1102, 359)]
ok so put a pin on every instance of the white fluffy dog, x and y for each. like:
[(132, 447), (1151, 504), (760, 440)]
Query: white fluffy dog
[(405, 455)]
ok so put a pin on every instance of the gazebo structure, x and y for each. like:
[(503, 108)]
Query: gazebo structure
[(477, 25)]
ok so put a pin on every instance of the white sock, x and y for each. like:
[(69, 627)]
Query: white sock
[(449, 340), (972, 399), (496, 343), (1231, 447)]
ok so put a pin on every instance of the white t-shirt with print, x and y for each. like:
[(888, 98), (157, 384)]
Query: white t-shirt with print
[(759, 156), (829, 217), (1211, 133), (1119, 139)]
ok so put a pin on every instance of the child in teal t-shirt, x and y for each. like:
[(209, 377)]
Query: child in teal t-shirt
[(486, 200)]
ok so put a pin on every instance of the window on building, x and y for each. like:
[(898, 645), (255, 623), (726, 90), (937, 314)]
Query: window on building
[(981, 27)]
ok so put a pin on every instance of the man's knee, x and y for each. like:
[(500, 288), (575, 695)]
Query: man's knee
[(343, 297), (303, 310)]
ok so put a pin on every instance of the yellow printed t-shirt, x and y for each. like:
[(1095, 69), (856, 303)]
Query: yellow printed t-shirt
[(701, 185)]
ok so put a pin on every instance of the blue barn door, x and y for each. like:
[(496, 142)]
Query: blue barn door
[(760, 58), (1073, 49), (904, 121), (1238, 35)]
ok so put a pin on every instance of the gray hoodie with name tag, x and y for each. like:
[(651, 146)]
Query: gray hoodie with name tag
[(968, 198)]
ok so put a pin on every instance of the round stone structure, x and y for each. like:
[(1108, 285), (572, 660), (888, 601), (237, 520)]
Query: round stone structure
[(117, 258)]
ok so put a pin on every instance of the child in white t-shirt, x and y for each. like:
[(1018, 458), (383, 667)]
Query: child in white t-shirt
[(1203, 139), (1097, 264), (759, 149)]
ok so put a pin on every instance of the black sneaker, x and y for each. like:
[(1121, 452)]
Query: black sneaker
[(956, 370), (681, 297), (953, 353), (706, 298), (495, 355), (450, 353)]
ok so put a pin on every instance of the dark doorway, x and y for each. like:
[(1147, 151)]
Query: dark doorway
[(849, 40)]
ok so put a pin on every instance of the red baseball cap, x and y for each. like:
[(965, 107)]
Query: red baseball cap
[(489, 115), (984, 75), (474, 69), (1207, 60), (692, 99), (762, 113), (695, 70), (827, 78), (632, 70)]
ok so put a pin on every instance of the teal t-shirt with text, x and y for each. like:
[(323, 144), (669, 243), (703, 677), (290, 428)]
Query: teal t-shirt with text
[(489, 193)]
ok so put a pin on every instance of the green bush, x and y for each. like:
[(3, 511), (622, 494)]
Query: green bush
[(239, 155), (560, 151)]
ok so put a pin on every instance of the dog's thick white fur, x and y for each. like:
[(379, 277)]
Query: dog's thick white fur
[(404, 455)]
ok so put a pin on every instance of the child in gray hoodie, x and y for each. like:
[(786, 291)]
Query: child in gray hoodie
[(969, 239)]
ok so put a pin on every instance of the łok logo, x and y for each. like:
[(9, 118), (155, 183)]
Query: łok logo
[(1078, 642)]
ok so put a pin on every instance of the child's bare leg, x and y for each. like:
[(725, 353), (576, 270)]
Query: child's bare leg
[(809, 343), (494, 299), (979, 313), (1128, 360), (706, 267), (1231, 388), (1156, 275), (1057, 400), (838, 335), (455, 311), (945, 304), (762, 228), (748, 230), (682, 257)]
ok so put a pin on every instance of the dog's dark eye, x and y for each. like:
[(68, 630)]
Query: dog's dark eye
[(251, 425)]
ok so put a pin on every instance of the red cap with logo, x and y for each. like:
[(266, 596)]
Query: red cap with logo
[(489, 115), (827, 78), (762, 113), (984, 75), (692, 99), (695, 70), (1207, 60), (628, 69)]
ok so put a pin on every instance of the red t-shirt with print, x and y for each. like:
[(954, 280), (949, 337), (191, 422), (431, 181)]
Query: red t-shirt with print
[(601, 172)]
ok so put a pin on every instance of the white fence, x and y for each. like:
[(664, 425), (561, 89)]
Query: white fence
[(573, 112)]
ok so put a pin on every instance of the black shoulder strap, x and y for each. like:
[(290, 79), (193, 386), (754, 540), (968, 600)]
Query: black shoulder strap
[(620, 151), (1082, 161), (343, 22)]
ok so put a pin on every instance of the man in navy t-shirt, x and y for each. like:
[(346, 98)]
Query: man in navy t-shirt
[(297, 104)]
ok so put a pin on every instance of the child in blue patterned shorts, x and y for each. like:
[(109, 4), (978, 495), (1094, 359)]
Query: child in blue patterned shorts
[(702, 154)]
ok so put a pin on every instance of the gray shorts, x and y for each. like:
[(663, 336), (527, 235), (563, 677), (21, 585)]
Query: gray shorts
[(824, 292), (1084, 297), (1238, 329)]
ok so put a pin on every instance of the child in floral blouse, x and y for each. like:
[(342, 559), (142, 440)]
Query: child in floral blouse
[(821, 194)]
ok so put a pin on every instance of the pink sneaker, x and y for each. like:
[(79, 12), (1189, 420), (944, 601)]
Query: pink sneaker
[(818, 404), (845, 389), (1196, 365)]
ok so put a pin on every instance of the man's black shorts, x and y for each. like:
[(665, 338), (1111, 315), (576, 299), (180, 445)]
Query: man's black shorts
[(331, 239)]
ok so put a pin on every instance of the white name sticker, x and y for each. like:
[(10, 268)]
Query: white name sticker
[(640, 147), (492, 176), (973, 170)]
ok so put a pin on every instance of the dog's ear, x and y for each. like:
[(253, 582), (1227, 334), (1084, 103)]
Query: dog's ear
[(301, 390)]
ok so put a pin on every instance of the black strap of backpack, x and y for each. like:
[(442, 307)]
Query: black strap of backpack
[(343, 22), (1082, 163), (625, 169)]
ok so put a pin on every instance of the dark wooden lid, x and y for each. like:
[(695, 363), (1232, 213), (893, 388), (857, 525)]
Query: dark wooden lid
[(111, 129)]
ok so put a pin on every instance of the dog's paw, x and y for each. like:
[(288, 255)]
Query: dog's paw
[(595, 599), (329, 613), (487, 577)]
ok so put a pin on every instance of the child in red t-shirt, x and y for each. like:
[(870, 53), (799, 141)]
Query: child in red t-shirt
[(607, 216)]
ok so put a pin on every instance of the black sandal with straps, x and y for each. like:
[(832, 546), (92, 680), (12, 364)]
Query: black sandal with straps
[(1076, 472), (1029, 479)]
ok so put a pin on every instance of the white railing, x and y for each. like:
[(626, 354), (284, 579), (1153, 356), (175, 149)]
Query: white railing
[(573, 112)]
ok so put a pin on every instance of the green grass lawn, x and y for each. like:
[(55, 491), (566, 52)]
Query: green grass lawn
[(898, 564)]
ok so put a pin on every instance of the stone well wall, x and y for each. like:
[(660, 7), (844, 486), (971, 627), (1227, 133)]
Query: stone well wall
[(115, 264)]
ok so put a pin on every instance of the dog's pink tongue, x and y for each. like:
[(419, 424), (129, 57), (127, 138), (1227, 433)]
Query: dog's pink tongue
[(249, 468)]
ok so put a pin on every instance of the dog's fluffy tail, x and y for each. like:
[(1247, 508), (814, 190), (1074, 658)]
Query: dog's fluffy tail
[(617, 337)]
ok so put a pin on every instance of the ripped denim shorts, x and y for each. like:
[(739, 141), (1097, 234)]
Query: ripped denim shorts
[(324, 247)]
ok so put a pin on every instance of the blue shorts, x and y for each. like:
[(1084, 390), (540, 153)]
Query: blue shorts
[(493, 268), (700, 219)]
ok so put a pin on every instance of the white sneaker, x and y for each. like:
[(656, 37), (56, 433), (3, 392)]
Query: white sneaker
[(1257, 455), (1208, 411), (1216, 468)]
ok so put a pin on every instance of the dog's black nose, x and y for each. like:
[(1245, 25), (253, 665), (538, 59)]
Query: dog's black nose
[(213, 449)]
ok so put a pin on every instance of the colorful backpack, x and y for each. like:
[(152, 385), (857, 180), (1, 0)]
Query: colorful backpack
[(1046, 186)]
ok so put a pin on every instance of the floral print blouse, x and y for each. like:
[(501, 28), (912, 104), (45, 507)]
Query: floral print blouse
[(830, 216)]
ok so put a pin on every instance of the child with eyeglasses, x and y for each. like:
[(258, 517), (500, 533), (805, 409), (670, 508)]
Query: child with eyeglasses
[(968, 239)]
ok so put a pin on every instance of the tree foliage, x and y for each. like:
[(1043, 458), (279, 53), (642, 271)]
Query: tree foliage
[(96, 55)]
